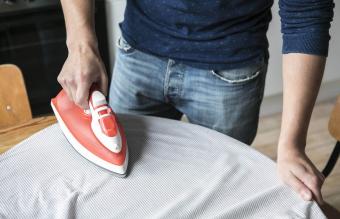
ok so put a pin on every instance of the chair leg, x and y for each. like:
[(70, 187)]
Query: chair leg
[(332, 160)]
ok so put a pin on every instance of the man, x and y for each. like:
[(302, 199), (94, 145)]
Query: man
[(208, 60)]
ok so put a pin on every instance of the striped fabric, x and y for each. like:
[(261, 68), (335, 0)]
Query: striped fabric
[(177, 170)]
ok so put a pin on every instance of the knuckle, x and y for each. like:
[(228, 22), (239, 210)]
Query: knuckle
[(83, 76), (60, 79), (71, 81), (83, 80)]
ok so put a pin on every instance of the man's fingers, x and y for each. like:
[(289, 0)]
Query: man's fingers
[(314, 183), (311, 169), (78, 74), (69, 86), (299, 172), (82, 95), (321, 177), (68, 91), (72, 89), (299, 187), (311, 180)]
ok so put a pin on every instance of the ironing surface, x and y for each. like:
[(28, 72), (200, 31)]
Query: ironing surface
[(176, 170)]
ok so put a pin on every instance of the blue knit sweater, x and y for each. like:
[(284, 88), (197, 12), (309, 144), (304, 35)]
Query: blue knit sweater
[(224, 34)]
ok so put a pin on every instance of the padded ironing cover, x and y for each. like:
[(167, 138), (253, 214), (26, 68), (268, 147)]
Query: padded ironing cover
[(177, 170)]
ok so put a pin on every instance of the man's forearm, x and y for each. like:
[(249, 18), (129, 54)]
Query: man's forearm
[(79, 20), (302, 75), (83, 66)]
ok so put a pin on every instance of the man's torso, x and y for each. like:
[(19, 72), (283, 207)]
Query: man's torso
[(210, 34)]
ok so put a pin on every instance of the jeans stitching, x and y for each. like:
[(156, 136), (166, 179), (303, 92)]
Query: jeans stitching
[(166, 80), (124, 46), (236, 80)]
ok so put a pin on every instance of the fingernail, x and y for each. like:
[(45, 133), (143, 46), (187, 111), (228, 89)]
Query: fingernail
[(306, 195)]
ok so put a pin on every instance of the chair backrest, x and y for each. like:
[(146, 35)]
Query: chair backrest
[(14, 104), (334, 121)]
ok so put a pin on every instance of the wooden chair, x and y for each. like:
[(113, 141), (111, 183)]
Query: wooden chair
[(334, 129), (14, 105)]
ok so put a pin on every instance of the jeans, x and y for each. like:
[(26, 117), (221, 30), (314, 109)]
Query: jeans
[(227, 101)]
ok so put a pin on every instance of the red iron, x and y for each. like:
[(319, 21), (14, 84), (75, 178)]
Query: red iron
[(95, 133)]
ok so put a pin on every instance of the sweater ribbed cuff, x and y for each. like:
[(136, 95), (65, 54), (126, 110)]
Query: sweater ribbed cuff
[(307, 43)]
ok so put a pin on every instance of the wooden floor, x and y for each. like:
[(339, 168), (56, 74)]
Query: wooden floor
[(319, 146)]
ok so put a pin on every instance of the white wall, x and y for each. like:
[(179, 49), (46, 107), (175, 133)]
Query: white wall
[(333, 62), (115, 14), (273, 93)]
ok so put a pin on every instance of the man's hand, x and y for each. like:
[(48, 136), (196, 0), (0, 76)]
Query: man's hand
[(302, 76), (297, 171), (82, 68)]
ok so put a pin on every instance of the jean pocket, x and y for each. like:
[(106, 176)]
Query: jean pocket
[(124, 46), (240, 75)]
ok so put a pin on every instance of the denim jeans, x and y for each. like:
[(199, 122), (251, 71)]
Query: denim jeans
[(227, 101)]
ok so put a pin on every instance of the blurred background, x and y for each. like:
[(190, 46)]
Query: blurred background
[(32, 37)]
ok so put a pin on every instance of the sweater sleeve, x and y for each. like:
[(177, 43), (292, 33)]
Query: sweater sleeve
[(305, 26)]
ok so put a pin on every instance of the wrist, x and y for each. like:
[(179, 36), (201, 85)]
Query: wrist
[(290, 148), (292, 140), (82, 41), (82, 46)]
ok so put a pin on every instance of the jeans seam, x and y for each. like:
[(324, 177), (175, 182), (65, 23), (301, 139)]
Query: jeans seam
[(166, 80), (248, 78)]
